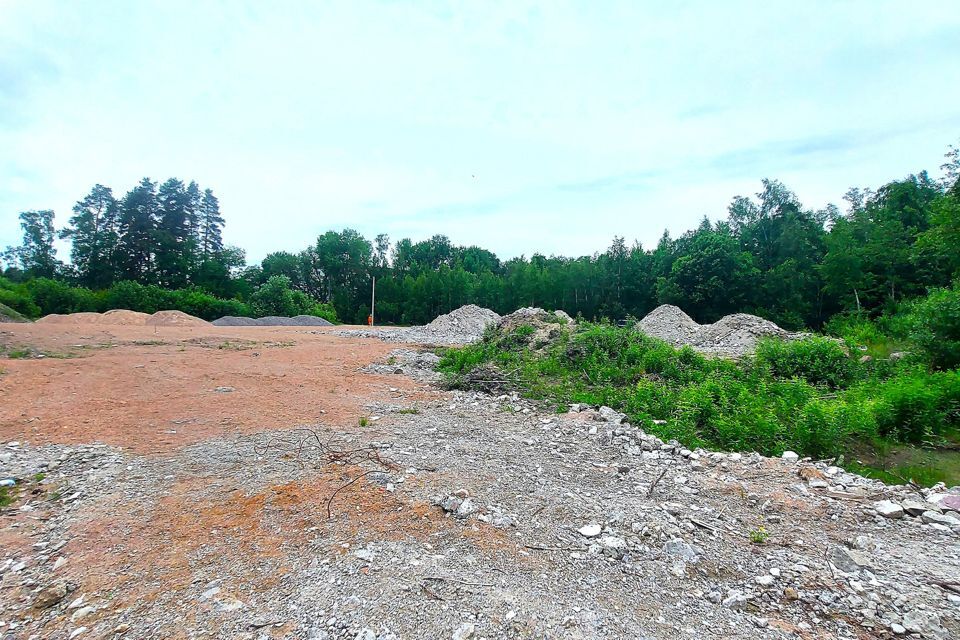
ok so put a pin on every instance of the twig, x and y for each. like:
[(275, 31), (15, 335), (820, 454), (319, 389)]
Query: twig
[(949, 586), (469, 584), (537, 548), (656, 482), (344, 486), (704, 525), (430, 593)]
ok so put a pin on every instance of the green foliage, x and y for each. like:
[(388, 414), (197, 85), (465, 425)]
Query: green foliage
[(18, 298), (53, 296), (776, 402), (818, 360), (934, 326), (275, 297), (759, 535), (7, 497)]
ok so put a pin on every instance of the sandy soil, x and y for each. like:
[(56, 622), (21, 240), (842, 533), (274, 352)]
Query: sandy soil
[(150, 389)]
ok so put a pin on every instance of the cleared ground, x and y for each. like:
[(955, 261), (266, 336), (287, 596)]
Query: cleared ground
[(238, 494)]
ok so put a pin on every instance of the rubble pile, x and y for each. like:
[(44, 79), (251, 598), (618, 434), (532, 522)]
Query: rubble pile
[(732, 336)]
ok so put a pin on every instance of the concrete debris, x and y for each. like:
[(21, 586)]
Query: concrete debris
[(732, 336)]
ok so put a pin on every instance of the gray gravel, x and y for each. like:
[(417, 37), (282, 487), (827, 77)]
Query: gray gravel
[(534, 525)]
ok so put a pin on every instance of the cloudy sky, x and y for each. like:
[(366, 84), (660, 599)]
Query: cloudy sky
[(518, 126)]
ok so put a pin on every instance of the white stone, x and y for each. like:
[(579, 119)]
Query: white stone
[(888, 509), (790, 456), (591, 530)]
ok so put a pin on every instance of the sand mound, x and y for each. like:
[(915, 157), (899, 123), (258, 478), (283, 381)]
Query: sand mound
[(121, 317), (85, 317), (732, 336), (174, 319)]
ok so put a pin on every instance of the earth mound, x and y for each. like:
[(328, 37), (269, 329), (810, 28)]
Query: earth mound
[(174, 319), (11, 315)]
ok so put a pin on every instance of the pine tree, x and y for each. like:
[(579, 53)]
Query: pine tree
[(137, 229), (211, 226), (193, 210), (94, 237), (37, 255), (174, 236)]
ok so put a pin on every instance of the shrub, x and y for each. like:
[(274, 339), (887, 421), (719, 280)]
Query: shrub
[(934, 326), (17, 298), (918, 406), (52, 296), (275, 297), (818, 360), (138, 297)]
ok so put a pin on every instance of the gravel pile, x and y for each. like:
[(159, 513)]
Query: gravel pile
[(460, 326), (732, 336), (273, 321)]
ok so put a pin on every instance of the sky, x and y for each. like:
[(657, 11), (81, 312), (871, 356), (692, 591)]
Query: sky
[(518, 126)]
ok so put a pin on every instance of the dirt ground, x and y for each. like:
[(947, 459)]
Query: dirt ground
[(152, 389), (218, 482)]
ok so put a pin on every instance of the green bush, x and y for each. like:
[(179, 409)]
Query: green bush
[(17, 298), (916, 407), (52, 296), (818, 360), (275, 297), (934, 326), (138, 297)]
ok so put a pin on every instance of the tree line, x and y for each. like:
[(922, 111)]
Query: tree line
[(770, 256)]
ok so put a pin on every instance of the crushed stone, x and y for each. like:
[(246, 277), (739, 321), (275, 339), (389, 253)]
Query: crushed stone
[(460, 326), (732, 336)]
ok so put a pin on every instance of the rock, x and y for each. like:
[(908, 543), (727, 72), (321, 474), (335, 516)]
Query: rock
[(464, 631), (917, 507), (451, 504), (366, 634), (50, 595), (791, 594), (681, 550), (81, 613), (923, 622), (764, 581), (865, 359), (735, 600), (613, 546), (590, 530), (848, 560), (123, 627), (612, 415), (943, 519), (224, 390), (466, 508), (790, 456), (817, 483), (77, 632), (888, 509), (949, 503)]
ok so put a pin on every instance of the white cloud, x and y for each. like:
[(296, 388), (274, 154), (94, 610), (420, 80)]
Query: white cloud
[(417, 119)]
